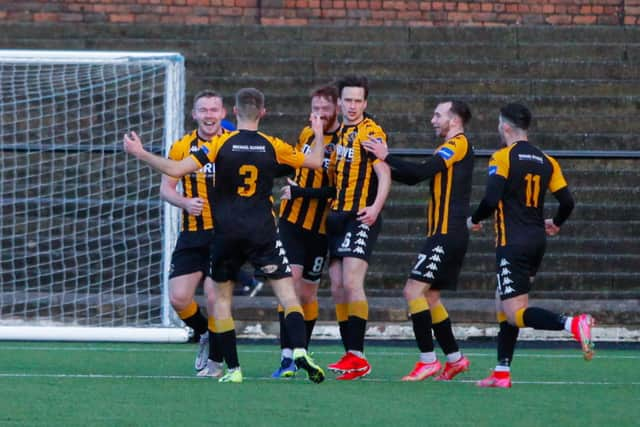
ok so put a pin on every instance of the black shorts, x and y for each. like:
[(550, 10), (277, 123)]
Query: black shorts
[(349, 237), (229, 252), (440, 260), (191, 253), (516, 267), (304, 248)]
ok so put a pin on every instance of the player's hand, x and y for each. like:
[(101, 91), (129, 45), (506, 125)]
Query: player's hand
[(194, 206), (316, 123), (550, 228), (473, 227), (372, 145), (132, 143), (368, 215), (285, 191)]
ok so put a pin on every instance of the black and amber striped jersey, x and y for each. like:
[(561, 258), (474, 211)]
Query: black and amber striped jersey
[(246, 163), (311, 213), (451, 187), (355, 180), (197, 184), (528, 173)]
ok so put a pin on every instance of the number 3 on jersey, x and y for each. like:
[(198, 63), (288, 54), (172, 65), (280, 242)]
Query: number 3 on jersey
[(250, 175)]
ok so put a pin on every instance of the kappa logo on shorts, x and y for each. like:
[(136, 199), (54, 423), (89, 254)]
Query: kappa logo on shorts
[(362, 234), (438, 249), (435, 258), (504, 280), (269, 269), (361, 242), (429, 275), (282, 252), (278, 244), (364, 226), (358, 250), (432, 266)]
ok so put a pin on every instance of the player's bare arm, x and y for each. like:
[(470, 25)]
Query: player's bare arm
[(315, 157), (169, 193), (133, 145), (368, 215)]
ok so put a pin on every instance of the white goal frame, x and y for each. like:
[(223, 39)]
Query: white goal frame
[(170, 328)]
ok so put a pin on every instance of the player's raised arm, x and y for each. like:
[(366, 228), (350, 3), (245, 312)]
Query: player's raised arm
[(133, 145), (315, 157)]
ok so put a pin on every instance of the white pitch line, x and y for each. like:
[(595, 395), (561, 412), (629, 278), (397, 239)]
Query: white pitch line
[(377, 380), (490, 353)]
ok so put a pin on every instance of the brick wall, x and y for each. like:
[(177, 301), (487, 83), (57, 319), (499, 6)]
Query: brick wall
[(328, 12)]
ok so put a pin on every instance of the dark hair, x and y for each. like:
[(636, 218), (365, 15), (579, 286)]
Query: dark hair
[(516, 114), (329, 92), (249, 103), (353, 81), (461, 109), (206, 93)]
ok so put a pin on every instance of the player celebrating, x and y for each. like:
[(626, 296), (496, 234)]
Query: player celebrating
[(246, 162), (354, 222), (519, 176), (190, 258), (440, 260), (303, 213)]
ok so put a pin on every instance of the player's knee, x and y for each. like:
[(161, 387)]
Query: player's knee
[(511, 317), (179, 301), (411, 291), (308, 294), (433, 300)]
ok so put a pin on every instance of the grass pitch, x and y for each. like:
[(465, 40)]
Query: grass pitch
[(107, 384)]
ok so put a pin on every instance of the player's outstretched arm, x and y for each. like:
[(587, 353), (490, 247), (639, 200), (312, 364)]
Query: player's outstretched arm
[(404, 171), (133, 145)]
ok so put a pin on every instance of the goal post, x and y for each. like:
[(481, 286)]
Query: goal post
[(86, 240)]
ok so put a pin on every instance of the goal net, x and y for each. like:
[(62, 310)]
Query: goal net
[(85, 237)]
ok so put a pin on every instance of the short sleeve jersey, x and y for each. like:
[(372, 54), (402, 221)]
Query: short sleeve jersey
[(528, 173), (197, 184), (356, 181), (451, 188), (246, 164), (310, 214)]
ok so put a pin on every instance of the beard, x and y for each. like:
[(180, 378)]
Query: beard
[(329, 122)]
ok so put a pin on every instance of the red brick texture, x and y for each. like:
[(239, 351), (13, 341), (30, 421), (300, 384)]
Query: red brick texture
[(329, 12)]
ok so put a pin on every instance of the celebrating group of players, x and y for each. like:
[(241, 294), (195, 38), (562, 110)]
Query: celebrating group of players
[(331, 209)]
